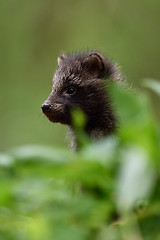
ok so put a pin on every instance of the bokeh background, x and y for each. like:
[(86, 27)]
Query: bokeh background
[(34, 33)]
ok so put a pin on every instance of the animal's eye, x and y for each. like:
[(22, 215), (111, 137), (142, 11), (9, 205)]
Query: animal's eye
[(71, 90)]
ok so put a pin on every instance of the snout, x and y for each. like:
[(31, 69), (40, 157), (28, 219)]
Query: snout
[(46, 107), (55, 111)]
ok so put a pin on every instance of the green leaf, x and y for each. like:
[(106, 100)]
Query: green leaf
[(136, 178), (6, 160), (152, 84), (42, 153), (102, 151)]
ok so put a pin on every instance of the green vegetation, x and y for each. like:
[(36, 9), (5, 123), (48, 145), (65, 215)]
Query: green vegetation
[(108, 190)]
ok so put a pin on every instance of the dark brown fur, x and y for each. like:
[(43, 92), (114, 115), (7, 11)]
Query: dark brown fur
[(80, 81)]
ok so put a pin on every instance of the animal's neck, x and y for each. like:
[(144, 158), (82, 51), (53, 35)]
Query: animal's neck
[(101, 124)]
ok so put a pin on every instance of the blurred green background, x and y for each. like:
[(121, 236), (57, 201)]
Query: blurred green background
[(34, 33)]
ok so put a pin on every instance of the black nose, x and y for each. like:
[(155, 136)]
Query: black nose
[(46, 107)]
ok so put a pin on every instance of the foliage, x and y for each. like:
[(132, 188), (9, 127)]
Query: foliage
[(108, 190)]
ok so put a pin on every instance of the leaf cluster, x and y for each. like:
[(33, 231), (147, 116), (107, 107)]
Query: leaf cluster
[(108, 190)]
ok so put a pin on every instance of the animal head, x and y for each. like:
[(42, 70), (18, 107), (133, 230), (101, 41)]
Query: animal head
[(79, 82)]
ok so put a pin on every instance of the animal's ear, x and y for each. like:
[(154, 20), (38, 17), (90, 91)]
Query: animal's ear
[(95, 63), (61, 58)]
